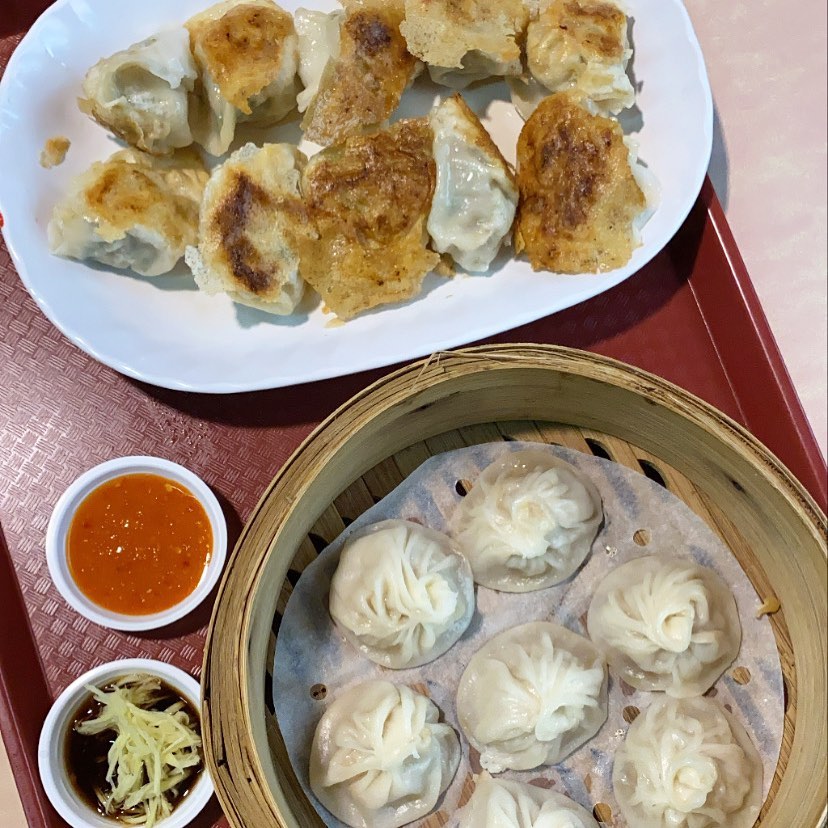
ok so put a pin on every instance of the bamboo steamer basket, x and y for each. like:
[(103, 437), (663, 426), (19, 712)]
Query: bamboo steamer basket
[(524, 392)]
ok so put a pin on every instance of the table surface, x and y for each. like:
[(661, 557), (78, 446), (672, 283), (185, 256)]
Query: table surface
[(769, 170)]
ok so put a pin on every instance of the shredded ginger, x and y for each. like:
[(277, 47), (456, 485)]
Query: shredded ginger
[(154, 751)]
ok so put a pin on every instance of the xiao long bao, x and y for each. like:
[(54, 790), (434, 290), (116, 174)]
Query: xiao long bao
[(380, 757), (665, 624), (500, 803), (687, 764), (532, 695), (402, 594), (528, 522)]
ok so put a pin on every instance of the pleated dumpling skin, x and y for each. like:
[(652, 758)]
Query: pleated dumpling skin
[(476, 195), (528, 522), (687, 763), (531, 696), (252, 229), (246, 52), (380, 756), (142, 94), (502, 803), (135, 211), (665, 624), (402, 594)]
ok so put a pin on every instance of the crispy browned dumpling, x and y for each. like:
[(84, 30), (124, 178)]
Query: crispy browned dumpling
[(369, 199), (252, 229), (133, 210), (466, 40), (582, 44), (363, 85), (578, 196), (246, 52)]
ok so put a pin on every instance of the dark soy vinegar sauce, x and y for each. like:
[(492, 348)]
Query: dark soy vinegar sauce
[(87, 758)]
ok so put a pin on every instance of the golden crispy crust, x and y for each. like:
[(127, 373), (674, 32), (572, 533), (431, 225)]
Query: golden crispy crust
[(247, 205), (54, 152), (442, 32), (578, 196), (241, 48), (253, 222), (598, 28), (364, 85), (369, 199), (135, 189)]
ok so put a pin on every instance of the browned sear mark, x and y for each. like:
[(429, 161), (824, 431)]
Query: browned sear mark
[(231, 222)]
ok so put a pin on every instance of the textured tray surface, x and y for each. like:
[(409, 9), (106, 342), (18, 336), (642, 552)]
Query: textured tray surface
[(60, 413)]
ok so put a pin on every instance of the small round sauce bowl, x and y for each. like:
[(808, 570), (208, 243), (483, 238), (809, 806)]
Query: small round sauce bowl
[(51, 751), (57, 535)]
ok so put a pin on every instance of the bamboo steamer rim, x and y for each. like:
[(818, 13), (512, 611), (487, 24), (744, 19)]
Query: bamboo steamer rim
[(247, 787)]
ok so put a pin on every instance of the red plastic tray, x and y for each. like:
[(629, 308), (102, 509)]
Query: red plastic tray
[(690, 316)]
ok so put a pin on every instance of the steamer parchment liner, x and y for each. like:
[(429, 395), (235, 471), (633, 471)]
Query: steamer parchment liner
[(429, 495)]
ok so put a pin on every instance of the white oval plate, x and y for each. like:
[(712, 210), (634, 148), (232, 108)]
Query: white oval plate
[(165, 332)]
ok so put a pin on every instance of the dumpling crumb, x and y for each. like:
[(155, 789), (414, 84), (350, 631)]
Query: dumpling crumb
[(54, 152)]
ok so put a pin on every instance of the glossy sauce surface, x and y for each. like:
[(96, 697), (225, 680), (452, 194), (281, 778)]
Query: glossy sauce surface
[(138, 544)]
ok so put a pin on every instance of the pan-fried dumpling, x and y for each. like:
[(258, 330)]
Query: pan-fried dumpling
[(252, 228), (687, 763), (133, 211), (142, 93), (369, 200), (246, 51), (501, 803), (380, 758), (402, 594), (665, 624), (582, 45), (463, 41), (532, 695), (318, 38), (476, 196), (367, 70), (528, 522), (581, 205)]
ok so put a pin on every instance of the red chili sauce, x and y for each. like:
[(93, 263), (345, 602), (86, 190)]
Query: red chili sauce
[(138, 544)]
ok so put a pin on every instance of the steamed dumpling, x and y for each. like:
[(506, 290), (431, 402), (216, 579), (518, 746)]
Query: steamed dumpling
[(142, 93), (665, 624), (528, 522), (246, 51), (686, 763), (501, 803), (531, 696), (252, 229), (476, 196), (134, 211), (380, 758), (365, 68), (582, 45), (402, 594)]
